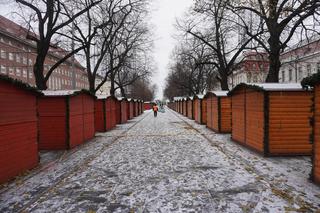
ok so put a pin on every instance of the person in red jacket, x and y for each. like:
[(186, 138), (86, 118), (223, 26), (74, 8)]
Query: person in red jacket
[(155, 110)]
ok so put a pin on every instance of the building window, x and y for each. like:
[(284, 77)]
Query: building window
[(18, 58), (3, 54), (283, 76), (24, 73), (3, 69), (318, 67), (30, 75), (24, 60), (290, 75), (18, 72), (30, 62), (11, 71), (11, 56), (300, 73), (308, 69)]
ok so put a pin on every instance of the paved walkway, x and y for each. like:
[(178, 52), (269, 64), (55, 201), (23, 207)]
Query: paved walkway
[(163, 164)]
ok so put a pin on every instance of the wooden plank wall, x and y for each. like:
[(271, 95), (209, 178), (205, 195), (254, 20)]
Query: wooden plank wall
[(289, 126)]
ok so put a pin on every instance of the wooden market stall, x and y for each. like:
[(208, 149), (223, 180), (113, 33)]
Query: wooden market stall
[(135, 108), (18, 128), (70, 114), (130, 109), (105, 113), (123, 109), (272, 118), (199, 110), (184, 104), (314, 82), (147, 105), (190, 108), (118, 111), (218, 111)]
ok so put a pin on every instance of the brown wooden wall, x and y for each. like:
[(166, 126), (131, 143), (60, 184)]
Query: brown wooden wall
[(204, 111), (99, 113), (209, 112), (184, 108), (52, 114), (18, 130), (124, 111), (254, 121), (76, 125), (225, 119), (88, 117), (197, 110), (238, 116), (316, 131), (290, 129), (215, 113), (190, 109)]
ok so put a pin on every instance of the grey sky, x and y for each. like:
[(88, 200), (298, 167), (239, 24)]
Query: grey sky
[(163, 17)]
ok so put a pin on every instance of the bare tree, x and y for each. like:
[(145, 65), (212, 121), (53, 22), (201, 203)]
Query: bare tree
[(281, 20), (143, 90), (50, 17), (189, 73), (215, 26), (99, 32), (128, 55)]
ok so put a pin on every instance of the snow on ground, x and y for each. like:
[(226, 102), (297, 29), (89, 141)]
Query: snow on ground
[(163, 164)]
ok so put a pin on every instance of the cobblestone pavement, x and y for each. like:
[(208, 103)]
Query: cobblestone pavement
[(163, 164)]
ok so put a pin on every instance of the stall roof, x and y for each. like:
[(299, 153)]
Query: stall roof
[(278, 86), (178, 98), (59, 92), (200, 96), (270, 87), (102, 97), (222, 93), (54, 93), (20, 84)]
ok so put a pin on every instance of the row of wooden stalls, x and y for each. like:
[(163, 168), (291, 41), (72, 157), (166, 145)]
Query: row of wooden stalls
[(272, 119), (31, 121)]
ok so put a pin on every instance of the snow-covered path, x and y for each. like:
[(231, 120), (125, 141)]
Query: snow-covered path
[(164, 164)]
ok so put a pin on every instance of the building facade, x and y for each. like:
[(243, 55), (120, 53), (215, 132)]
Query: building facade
[(18, 55), (300, 61), (104, 90), (252, 68)]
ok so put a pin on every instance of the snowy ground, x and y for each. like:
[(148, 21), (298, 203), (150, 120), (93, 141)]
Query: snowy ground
[(164, 164)]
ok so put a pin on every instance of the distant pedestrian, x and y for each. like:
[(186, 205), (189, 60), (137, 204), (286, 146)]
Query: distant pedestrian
[(155, 110)]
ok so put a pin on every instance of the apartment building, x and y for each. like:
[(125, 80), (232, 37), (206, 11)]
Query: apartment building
[(252, 68), (18, 54), (300, 61)]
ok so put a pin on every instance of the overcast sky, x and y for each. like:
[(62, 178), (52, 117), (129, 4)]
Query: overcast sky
[(163, 17), (164, 14)]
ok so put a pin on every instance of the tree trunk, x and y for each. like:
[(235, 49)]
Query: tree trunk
[(112, 87), (274, 59), (224, 80), (123, 94), (92, 86), (275, 64), (38, 74)]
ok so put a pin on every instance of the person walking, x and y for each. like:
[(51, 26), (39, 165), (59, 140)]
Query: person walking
[(155, 110)]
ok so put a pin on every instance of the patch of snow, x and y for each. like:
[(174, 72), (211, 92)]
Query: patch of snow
[(279, 86), (58, 92)]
